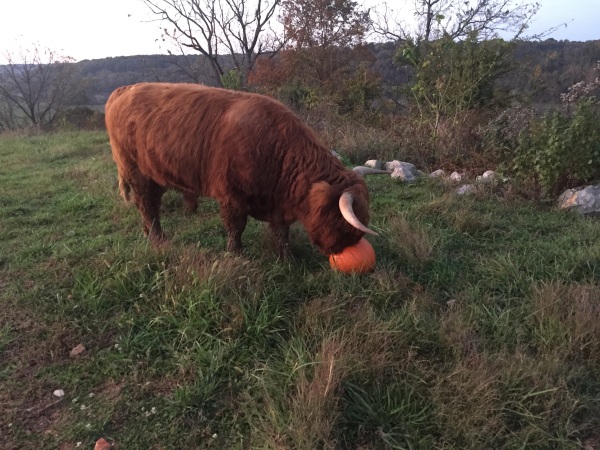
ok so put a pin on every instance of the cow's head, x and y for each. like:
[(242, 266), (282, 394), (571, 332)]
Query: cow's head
[(337, 216)]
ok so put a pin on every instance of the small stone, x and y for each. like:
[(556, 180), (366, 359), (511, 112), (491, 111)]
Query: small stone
[(102, 444), (487, 177), (59, 393), (437, 174), (77, 351), (455, 176)]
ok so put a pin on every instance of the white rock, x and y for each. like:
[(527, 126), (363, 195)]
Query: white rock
[(404, 174), (455, 176), (466, 189), (391, 165), (59, 393), (487, 177), (488, 174), (374, 164), (585, 200), (437, 174), (336, 154)]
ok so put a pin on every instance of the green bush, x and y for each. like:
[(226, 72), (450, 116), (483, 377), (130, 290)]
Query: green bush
[(232, 80), (454, 76), (358, 90), (560, 151), (297, 95), (79, 118)]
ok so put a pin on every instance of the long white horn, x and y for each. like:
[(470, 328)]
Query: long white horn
[(364, 170), (348, 213)]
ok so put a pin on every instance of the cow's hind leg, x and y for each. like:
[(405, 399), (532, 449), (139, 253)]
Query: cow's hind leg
[(235, 218), (147, 197)]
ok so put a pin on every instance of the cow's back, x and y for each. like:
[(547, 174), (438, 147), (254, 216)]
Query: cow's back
[(214, 142)]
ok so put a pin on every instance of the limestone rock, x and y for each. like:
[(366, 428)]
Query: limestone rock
[(487, 177), (375, 164), (455, 176), (391, 165), (404, 175), (402, 170), (585, 200)]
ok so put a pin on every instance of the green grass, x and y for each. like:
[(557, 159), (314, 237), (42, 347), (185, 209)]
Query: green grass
[(479, 328)]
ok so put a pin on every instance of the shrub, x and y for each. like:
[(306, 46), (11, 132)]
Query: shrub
[(560, 151), (359, 90), (80, 118), (232, 80), (297, 95), (451, 76)]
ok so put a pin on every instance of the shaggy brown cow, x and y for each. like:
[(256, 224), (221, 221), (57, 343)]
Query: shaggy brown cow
[(247, 151)]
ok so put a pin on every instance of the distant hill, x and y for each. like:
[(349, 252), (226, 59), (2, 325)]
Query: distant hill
[(544, 69), (102, 76)]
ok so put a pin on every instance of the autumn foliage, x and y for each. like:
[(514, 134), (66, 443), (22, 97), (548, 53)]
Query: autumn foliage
[(324, 51)]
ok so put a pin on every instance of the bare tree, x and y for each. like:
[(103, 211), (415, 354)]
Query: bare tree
[(215, 28), (35, 85), (457, 19)]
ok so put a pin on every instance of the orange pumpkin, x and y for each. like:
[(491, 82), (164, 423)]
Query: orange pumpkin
[(358, 258)]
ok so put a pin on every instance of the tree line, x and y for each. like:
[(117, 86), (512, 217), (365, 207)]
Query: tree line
[(309, 51)]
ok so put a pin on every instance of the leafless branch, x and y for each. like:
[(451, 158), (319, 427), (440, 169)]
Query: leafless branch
[(35, 86), (215, 28)]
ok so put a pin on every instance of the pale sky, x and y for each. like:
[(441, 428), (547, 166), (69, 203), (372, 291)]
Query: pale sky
[(86, 29)]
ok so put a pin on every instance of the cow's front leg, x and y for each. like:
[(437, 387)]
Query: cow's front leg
[(235, 218), (281, 232)]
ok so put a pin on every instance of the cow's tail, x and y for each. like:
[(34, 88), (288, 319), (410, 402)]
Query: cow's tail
[(124, 188)]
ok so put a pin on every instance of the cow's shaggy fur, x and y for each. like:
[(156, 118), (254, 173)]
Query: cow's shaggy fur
[(247, 151)]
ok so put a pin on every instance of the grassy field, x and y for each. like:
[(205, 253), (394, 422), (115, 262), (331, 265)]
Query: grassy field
[(479, 328)]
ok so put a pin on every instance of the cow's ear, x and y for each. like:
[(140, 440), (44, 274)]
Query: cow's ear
[(321, 194)]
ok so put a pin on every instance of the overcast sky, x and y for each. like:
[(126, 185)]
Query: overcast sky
[(86, 29)]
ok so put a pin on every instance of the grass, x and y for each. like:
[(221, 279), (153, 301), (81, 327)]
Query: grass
[(479, 327)]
